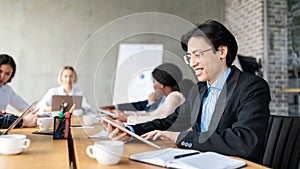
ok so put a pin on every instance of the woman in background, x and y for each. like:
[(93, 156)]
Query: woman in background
[(9, 97), (167, 78), (173, 100), (66, 77)]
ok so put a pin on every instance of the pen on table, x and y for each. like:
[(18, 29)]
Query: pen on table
[(185, 155), (72, 108), (83, 127)]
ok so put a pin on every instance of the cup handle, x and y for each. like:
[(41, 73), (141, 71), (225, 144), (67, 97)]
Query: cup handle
[(90, 151), (26, 143)]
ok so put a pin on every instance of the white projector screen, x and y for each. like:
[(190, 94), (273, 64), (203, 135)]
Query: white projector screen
[(133, 79)]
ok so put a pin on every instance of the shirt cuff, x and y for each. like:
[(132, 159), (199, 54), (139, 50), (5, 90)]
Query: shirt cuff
[(149, 105), (130, 128), (116, 107)]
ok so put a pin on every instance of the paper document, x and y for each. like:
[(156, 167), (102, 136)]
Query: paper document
[(192, 159)]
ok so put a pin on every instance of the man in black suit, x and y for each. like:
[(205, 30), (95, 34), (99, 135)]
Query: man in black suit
[(226, 112)]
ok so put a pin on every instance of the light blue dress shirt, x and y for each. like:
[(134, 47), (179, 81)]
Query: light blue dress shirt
[(210, 100)]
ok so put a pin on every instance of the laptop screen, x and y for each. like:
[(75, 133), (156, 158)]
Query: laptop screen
[(58, 100)]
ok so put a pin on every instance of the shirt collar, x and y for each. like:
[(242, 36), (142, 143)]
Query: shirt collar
[(219, 83), (61, 89)]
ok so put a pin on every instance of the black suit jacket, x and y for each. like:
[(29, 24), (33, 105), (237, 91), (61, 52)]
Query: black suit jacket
[(139, 106), (239, 122)]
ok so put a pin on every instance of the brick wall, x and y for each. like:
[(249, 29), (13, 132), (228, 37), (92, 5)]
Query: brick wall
[(278, 56), (245, 19)]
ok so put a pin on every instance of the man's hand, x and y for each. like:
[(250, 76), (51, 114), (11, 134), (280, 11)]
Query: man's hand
[(114, 133), (2, 112), (111, 107), (164, 135), (121, 116), (47, 109), (30, 119)]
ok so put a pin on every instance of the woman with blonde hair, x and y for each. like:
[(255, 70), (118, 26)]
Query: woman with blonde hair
[(67, 77)]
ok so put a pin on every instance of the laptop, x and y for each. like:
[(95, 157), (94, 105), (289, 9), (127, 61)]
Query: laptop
[(57, 100), (19, 118)]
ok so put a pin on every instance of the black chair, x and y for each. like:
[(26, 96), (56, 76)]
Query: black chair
[(250, 64), (283, 142)]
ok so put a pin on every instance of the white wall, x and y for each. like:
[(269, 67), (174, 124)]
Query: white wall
[(43, 36)]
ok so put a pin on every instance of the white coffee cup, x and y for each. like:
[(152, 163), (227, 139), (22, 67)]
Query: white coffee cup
[(77, 112), (55, 113), (13, 143), (106, 152), (44, 123), (89, 119)]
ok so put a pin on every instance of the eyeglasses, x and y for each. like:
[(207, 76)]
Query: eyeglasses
[(197, 53)]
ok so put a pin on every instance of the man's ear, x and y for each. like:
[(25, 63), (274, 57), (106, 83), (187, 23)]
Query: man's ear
[(223, 50)]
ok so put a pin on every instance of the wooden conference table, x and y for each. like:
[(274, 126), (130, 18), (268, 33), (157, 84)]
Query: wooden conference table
[(44, 152), (80, 141)]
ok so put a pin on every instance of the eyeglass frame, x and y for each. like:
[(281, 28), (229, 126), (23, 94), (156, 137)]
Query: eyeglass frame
[(187, 57)]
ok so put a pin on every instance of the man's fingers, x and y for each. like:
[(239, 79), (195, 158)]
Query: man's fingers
[(121, 136), (149, 135), (109, 128), (157, 135)]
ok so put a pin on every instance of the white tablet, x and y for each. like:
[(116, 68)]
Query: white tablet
[(130, 133), (107, 112), (13, 125)]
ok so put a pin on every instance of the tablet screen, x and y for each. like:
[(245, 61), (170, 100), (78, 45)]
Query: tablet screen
[(130, 133)]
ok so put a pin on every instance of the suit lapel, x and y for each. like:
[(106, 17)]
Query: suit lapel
[(224, 98)]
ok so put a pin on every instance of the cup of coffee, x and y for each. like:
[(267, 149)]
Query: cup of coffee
[(89, 119), (106, 152), (13, 143), (44, 123)]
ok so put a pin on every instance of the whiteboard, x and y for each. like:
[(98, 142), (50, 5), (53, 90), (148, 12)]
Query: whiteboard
[(133, 79)]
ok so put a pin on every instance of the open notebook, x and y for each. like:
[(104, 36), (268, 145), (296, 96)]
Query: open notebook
[(19, 118), (192, 159)]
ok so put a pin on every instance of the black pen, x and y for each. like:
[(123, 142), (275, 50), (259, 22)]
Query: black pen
[(185, 155)]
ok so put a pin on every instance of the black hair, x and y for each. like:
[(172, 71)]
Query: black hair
[(217, 35), (168, 74), (6, 59)]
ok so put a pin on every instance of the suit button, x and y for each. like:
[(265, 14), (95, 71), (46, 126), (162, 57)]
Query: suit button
[(182, 143)]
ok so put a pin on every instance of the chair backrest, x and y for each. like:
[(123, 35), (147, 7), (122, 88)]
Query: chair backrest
[(250, 64), (283, 142)]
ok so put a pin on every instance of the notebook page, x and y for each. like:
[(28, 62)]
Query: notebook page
[(160, 157), (206, 160)]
